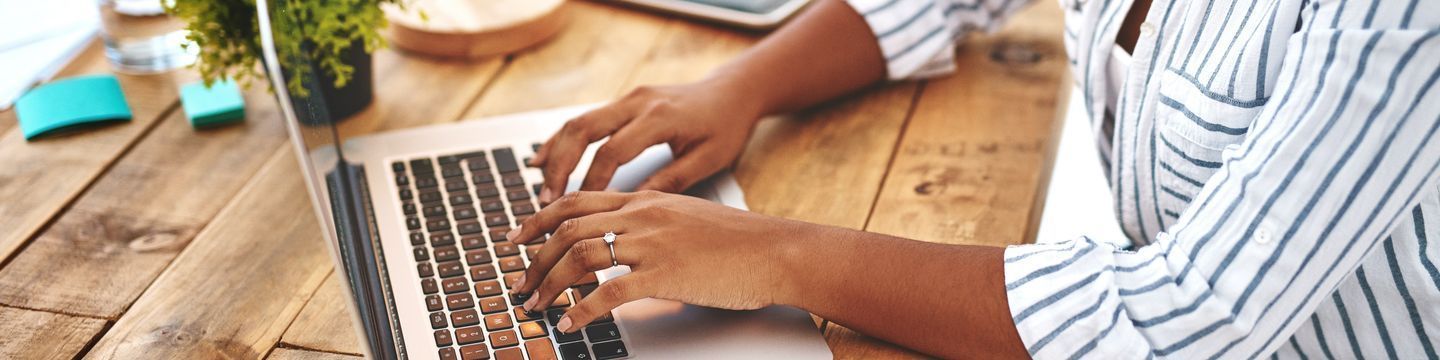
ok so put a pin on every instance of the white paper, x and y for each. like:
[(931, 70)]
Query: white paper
[(39, 38)]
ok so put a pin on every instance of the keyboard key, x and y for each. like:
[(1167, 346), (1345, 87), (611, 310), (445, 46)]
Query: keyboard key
[(492, 206), (521, 220), (450, 172), (553, 316), (610, 350), (527, 161), (442, 338), (429, 197), (454, 285), (446, 253), (451, 269), (535, 147), (509, 354), (467, 228), (498, 234), (537, 187), (498, 321), (464, 318), (477, 257), (603, 319), (522, 315), (469, 335), (420, 163), (397, 166), (562, 338), (562, 301), (408, 208), (420, 254), (518, 298), (540, 349), (512, 181), (602, 332), (510, 279), (417, 238), (456, 186), (531, 330), (425, 270), (486, 289), (523, 208), (472, 242), (505, 160), (442, 239), (482, 272), (465, 213), (402, 180), (437, 225), (460, 199), (406, 194), (497, 220), (459, 301), (429, 286), (433, 303), (412, 223), (493, 305), (447, 354), (573, 351), (474, 352), (426, 182), (483, 178), (517, 195), (433, 211), (511, 264), (533, 251), (448, 159), (437, 320), (478, 164), (505, 248), (504, 338), (486, 191)]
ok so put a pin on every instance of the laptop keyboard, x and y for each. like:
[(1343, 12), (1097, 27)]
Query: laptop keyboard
[(457, 209)]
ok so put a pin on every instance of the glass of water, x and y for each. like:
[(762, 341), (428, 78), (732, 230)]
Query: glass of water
[(141, 38)]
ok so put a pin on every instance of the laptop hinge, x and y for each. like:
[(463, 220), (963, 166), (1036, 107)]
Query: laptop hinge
[(364, 263)]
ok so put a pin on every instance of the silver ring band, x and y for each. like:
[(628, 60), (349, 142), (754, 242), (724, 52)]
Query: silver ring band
[(610, 241)]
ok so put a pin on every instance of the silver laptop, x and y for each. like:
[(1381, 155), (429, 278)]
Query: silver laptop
[(416, 220)]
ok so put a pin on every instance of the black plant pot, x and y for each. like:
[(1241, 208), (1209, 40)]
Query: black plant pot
[(326, 103)]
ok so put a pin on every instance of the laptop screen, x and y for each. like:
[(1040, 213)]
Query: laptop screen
[(336, 191)]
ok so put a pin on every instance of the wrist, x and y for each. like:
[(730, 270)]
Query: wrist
[(798, 271)]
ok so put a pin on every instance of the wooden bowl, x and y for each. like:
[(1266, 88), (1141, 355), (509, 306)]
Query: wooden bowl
[(471, 29)]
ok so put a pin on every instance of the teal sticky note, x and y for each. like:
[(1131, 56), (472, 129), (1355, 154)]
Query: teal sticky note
[(217, 105), (72, 102)]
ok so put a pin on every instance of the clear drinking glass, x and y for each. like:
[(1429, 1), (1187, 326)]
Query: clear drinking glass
[(141, 38)]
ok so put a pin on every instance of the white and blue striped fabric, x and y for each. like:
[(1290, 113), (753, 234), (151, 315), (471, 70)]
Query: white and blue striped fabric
[(1273, 163)]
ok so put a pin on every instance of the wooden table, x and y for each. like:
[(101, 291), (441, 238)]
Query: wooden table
[(152, 240)]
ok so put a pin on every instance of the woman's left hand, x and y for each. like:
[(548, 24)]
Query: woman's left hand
[(678, 248)]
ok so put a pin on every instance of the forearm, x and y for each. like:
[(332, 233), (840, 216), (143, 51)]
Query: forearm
[(826, 52), (945, 300)]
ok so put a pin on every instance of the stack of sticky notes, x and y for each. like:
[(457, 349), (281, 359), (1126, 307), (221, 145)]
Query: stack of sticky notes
[(216, 105), (71, 103)]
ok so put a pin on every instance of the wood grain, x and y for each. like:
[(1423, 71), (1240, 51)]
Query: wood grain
[(42, 335), (122, 232), (587, 62), (38, 178), (326, 323), (236, 287), (298, 354), (975, 156)]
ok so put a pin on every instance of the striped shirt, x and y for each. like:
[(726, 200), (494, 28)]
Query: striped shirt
[(1273, 164)]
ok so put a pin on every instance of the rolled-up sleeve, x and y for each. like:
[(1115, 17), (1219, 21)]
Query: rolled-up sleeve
[(917, 37), (1344, 149)]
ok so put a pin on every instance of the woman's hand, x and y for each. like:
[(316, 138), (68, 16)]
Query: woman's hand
[(706, 125), (678, 248)]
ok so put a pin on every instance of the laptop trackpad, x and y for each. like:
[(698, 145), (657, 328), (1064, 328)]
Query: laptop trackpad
[(667, 329)]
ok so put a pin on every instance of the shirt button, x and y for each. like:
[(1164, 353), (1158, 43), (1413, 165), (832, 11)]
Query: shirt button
[(1147, 29), (1262, 236)]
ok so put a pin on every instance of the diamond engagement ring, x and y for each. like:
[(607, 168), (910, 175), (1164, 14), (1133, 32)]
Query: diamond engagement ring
[(610, 241)]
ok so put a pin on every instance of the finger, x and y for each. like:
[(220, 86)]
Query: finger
[(608, 296), (570, 206), (622, 147), (562, 152), (586, 256), (685, 171), (563, 238)]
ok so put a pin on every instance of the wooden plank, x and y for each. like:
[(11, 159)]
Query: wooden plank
[(589, 61), (37, 179), (238, 285), (976, 153), (298, 354), (326, 323), (42, 335), (133, 221), (687, 51)]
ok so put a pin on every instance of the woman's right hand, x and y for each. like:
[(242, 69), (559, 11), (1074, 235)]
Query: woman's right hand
[(706, 124)]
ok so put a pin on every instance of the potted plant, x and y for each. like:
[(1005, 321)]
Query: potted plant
[(335, 38)]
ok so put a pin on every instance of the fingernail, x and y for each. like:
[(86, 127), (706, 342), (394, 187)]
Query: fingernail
[(513, 233), (519, 283), (545, 195), (530, 304), (564, 324)]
